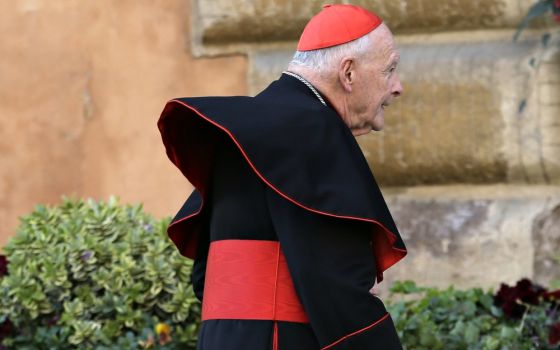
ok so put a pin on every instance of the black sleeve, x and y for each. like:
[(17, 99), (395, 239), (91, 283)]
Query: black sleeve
[(199, 266), (332, 266)]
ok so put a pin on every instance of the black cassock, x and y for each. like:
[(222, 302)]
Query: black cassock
[(282, 167)]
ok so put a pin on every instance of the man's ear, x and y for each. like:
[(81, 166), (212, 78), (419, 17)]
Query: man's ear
[(347, 73)]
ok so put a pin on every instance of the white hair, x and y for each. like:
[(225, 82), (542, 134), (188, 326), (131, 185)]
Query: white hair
[(327, 59)]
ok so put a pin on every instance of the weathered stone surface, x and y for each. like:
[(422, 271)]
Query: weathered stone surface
[(266, 66), (81, 87), (546, 237), (475, 112), (476, 235), (223, 22)]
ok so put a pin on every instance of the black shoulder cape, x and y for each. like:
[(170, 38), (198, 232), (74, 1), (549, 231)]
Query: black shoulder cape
[(297, 146)]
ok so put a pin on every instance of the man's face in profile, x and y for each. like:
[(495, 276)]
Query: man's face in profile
[(376, 83)]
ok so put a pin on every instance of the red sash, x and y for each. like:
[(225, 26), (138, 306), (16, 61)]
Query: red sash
[(249, 280)]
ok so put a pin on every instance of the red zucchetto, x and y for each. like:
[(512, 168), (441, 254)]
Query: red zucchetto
[(335, 25)]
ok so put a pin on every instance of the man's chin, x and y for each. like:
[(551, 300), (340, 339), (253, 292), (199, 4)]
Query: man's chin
[(378, 122)]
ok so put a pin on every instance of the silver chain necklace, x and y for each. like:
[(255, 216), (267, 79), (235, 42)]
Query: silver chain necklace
[(308, 84)]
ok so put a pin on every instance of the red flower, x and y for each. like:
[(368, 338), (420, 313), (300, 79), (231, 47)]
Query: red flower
[(528, 292), (511, 299), (3, 265), (556, 10), (506, 298), (554, 334)]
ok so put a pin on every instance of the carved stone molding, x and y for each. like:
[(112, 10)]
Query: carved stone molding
[(225, 26)]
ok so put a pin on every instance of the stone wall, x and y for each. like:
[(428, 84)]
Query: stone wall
[(469, 160), (470, 156), (477, 234), (459, 120)]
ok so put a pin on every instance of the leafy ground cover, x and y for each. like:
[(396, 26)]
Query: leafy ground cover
[(521, 317)]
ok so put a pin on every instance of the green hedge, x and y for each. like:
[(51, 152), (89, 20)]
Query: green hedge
[(96, 275)]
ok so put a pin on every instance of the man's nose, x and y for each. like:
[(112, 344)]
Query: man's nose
[(397, 87)]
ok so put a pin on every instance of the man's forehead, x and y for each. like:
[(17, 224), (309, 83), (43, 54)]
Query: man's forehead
[(386, 50), (383, 41), (393, 53)]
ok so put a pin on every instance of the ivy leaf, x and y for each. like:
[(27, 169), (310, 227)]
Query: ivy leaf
[(472, 333), (537, 10), (405, 287), (491, 343), (533, 62), (469, 308), (545, 39), (522, 106), (556, 9)]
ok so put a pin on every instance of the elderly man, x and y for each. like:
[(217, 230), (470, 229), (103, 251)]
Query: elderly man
[(287, 225)]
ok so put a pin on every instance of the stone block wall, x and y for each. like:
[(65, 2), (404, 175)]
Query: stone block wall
[(459, 120), (470, 156), (477, 234)]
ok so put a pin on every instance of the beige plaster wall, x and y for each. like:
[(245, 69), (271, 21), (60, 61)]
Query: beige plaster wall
[(82, 84)]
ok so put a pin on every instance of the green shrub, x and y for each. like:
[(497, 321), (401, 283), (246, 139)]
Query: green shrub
[(524, 317), (96, 276)]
